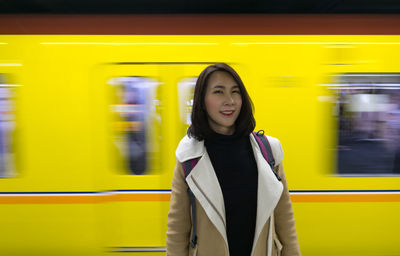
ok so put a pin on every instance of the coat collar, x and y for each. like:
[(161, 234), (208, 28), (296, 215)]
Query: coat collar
[(203, 182), (190, 148)]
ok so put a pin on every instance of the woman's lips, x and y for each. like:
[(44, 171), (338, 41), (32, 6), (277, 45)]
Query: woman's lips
[(227, 113)]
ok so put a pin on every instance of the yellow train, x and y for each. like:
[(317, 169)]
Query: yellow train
[(89, 125)]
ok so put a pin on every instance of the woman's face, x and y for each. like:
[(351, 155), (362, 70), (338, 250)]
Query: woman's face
[(223, 102)]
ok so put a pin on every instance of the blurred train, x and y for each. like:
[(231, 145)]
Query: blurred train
[(92, 110)]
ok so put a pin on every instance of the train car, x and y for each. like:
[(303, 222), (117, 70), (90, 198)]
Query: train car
[(93, 108)]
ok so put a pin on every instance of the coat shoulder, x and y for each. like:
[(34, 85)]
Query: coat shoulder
[(189, 148), (276, 149)]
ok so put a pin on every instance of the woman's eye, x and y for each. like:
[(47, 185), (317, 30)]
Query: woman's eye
[(236, 91), (218, 91)]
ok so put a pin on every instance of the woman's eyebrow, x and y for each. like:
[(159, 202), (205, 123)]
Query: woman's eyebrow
[(223, 86), (219, 86)]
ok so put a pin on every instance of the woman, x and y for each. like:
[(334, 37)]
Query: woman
[(236, 194)]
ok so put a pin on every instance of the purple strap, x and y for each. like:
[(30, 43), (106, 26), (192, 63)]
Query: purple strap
[(261, 145), (189, 165)]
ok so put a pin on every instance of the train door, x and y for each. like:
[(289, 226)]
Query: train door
[(147, 110)]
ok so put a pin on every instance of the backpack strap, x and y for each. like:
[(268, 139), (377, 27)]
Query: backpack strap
[(266, 150), (188, 165), (187, 168)]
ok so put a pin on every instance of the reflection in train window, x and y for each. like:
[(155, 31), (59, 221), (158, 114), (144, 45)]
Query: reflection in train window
[(368, 115), (185, 95), (7, 128), (135, 123)]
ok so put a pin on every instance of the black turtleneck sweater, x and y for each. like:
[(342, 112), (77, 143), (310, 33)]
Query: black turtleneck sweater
[(236, 169)]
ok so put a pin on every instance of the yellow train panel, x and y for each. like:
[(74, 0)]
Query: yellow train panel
[(73, 189)]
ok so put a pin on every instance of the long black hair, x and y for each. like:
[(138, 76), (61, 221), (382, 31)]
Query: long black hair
[(200, 129)]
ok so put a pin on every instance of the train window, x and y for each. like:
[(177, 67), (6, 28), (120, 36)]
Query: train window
[(368, 117), (185, 96), (7, 127), (135, 120)]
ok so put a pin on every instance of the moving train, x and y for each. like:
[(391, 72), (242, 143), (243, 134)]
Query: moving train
[(93, 108)]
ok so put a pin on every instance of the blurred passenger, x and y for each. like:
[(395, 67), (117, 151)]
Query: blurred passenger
[(240, 206), (6, 127), (136, 137), (130, 136)]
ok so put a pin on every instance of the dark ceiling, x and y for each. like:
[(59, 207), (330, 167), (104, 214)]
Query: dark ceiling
[(202, 6)]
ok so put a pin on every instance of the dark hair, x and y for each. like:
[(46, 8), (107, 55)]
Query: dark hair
[(200, 129)]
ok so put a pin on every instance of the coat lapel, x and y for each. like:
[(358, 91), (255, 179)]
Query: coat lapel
[(269, 191), (204, 184)]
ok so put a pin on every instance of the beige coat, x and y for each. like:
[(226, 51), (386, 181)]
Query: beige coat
[(272, 200)]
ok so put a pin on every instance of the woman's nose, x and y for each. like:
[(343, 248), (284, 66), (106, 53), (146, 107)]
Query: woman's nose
[(229, 99)]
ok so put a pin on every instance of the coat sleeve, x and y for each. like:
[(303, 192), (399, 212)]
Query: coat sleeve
[(284, 220), (179, 220)]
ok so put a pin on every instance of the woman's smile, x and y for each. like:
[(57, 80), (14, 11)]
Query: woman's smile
[(227, 113)]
